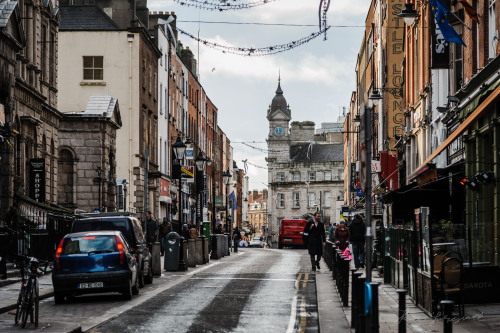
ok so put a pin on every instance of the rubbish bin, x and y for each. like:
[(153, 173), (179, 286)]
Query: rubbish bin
[(206, 230), (172, 247)]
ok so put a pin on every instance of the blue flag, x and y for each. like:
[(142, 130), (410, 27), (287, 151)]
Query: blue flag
[(439, 10)]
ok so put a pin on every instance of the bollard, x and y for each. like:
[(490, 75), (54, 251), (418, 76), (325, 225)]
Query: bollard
[(203, 252), (354, 296), (402, 311), (360, 326), (345, 280), (334, 262), (447, 307), (374, 317), (228, 241), (215, 249)]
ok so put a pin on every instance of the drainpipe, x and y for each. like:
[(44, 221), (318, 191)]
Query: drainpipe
[(130, 39)]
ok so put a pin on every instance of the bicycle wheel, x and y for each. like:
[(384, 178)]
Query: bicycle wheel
[(19, 305), (36, 301), (27, 305)]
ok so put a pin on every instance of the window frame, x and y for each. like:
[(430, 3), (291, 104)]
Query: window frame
[(280, 176), (296, 199), (311, 175), (93, 68), (280, 200)]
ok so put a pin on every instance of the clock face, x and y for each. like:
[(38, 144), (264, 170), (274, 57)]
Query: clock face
[(278, 130)]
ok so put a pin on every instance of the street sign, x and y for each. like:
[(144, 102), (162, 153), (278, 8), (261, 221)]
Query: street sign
[(363, 167), (188, 173)]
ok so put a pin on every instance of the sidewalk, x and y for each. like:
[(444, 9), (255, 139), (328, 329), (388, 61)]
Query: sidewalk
[(335, 318)]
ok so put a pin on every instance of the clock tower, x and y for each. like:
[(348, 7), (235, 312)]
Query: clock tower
[(278, 140)]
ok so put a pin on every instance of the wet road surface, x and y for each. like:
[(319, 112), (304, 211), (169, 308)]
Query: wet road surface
[(254, 290)]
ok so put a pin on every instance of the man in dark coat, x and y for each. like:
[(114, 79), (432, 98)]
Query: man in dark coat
[(316, 239), (152, 230), (358, 231)]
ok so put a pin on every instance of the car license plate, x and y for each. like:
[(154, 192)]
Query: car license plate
[(287, 239), (91, 285)]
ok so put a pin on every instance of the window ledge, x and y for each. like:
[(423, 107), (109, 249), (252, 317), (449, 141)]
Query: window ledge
[(93, 83)]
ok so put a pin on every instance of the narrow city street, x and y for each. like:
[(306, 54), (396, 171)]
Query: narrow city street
[(252, 290)]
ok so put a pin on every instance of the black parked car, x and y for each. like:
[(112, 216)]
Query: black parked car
[(131, 229), (94, 262)]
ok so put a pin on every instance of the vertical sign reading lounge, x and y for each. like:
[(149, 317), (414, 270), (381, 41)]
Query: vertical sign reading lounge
[(395, 55), (37, 179)]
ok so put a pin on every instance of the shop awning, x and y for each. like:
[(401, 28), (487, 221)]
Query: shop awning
[(472, 105), (475, 115)]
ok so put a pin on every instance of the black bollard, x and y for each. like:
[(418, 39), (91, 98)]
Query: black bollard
[(374, 316), (360, 326), (354, 296), (204, 255), (402, 311), (447, 306), (346, 277), (215, 250)]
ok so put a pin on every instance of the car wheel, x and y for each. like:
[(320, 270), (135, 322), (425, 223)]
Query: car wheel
[(135, 288), (127, 291), (149, 278), (140, 277), (58, 297)]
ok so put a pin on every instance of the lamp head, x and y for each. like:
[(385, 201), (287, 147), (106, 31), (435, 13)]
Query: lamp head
[(200, 161), (374, 98), (409, 14), (179, 148)]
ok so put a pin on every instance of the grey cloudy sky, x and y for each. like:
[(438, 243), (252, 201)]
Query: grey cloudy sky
[(317, 78)]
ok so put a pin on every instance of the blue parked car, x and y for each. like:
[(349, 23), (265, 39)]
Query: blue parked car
[(94, 262)]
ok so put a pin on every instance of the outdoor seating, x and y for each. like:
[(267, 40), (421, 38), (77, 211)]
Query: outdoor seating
[(451, 279)]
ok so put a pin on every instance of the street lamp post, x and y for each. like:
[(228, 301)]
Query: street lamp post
[(124, 182), (227, 179), (200, 165), (99, 180), (179, 149)]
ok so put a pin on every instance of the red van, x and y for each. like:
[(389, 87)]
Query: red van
[(291, 233)]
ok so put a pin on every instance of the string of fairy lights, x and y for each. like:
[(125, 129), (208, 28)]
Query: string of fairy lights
[(223, 5), (254, 52)]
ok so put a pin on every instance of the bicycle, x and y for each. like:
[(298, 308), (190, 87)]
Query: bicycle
[(28, 300)]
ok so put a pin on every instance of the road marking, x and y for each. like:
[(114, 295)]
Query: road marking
[(303, 315), (240, 278), (304, 282), (293, 314)]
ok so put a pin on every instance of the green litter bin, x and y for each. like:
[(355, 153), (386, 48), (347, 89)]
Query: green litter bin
[(207, 230)]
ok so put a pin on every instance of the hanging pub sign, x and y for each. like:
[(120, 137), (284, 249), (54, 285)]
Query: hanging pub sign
[(188, 173), (440, 48), (353, 177), (37, 179)]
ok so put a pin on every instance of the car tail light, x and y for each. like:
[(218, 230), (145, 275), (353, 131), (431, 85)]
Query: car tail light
[(119, 245), (58, 254)]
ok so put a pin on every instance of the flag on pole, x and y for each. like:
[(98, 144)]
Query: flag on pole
[(470, 11), (439, 10)]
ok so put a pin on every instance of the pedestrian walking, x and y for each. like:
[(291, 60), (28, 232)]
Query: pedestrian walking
[(316, 240), (357, 231), (342, 236), (331, 231), (193, 232), (236, 238), (185, 231), (165, 228), (152, 230)]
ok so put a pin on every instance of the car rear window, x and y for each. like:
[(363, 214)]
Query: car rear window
[(88, 244), (97, 225)]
